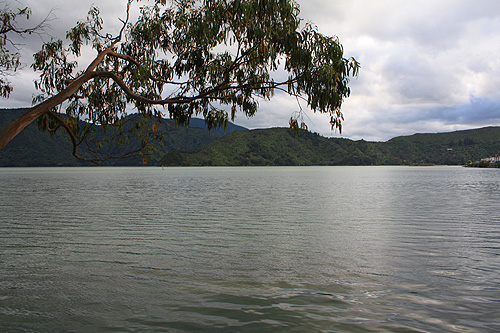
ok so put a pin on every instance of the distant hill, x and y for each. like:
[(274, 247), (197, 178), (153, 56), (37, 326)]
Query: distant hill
[(33, 147), (280, 146), (277, 146)]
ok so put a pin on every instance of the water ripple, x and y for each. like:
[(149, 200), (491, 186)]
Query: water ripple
[(247, 249)]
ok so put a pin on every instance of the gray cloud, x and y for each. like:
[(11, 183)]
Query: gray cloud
[(421, 61), (383, 124), (479, 111)]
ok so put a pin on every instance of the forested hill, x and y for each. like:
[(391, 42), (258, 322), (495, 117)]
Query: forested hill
[(276, 146), (35, 148), (280, 146)]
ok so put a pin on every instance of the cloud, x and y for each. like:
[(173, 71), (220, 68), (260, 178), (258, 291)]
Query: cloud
[(479, 111), (383, 124), (420, 63)]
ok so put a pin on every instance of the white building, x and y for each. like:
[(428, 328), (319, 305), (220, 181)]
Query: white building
[(494, 159)]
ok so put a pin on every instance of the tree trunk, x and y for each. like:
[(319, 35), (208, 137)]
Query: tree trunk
[(36, 111), (15, 127)]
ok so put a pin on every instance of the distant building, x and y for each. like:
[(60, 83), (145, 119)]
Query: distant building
[(494, 159)]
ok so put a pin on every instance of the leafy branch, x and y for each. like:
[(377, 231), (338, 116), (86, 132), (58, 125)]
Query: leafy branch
[(190, 58)]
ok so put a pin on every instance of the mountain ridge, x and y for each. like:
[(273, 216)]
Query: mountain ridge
[(33, 147), (196, 146), (280, 146)]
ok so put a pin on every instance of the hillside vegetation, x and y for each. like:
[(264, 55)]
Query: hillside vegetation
[(280, 146), (33, 147), (196, 146)]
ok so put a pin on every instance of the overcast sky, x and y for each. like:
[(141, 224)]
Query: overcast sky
[(426, 65)]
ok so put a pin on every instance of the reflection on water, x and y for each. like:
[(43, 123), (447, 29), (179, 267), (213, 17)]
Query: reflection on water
[(245, 249)]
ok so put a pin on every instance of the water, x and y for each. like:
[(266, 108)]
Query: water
[(250, 249)]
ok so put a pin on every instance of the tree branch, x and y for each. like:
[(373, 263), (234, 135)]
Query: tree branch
[(76, 143), (124, 57)]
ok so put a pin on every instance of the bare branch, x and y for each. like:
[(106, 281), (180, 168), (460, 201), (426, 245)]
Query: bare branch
[(125, 22), (124, 57)]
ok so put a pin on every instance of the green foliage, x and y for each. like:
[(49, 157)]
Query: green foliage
[(197, 146), (211, 58), (482, 164), (9, 55), (36, 148), (284, 147), (55, 69)]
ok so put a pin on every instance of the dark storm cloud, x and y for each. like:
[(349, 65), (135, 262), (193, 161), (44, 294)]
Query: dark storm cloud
[(479, 111)]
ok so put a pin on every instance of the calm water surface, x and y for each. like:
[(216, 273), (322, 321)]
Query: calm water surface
[(250, 249)]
